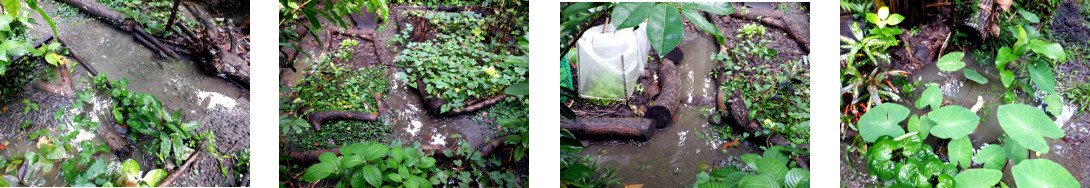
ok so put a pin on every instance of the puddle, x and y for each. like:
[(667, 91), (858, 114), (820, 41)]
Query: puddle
[(210, 100), (670, 158)]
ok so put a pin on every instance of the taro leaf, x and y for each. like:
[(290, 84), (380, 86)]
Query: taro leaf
[(772, 167), (1027, 125), (698, 19), (319, 171), (1042, 77), (922, 125), (978, 178), (882, 120), (796, 176), (630, 14), (1007, 77), (976, 77), (932, 96), (1055, 51), (759, 181), (951, 61), (1003, 57), (153, 177), (664, 28), (1029, 16), (1016, 152), (953, 121), (961, 151), (945, 181), (1055, 104), (12, 7), (992, 156), (1042, 173), (375, 152)]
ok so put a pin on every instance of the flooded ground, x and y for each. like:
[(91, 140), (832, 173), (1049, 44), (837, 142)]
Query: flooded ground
[(958, 90), (675, 154), (210, 100)]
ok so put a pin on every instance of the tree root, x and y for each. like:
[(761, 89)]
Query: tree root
[(177, 172), (773, 18), (662, 113)]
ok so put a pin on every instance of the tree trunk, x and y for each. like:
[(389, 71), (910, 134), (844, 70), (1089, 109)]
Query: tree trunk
[(670, 97), (317, 118), (610, 128)]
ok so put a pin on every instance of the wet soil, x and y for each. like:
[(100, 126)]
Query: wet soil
[(210, 100)]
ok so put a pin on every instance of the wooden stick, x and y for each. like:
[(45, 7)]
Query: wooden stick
[(174, 175)]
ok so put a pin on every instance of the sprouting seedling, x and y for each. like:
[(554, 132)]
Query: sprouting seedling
[(883, 17)]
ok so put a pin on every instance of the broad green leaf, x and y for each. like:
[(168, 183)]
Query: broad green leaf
[(776, 152), (1007, 77), (328, 157), (1042, 173), (12, 7), (130, 167), (1029, 16), (751, 160), (932, 96), (153, 177), (882, 120), (518, 89), (1016, 152), (960, 151), (350, 161), (895, 19), (375, 152), (319, 171), (1027, 125), (720, 8), (354, 149), (1003, 56), (772, 167), (372, 175), (953, 121), (976, 77), (630, 14), (1055, 104), (796, 176), (978, 178), (759, 181), (1042, 77), (664, 28), (576, 171), (1055, 51), (992, 156), (698, 19), (920, 124), (951, 61)]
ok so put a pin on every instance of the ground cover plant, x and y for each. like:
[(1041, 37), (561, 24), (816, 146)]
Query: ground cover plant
[(470, 52), (910, 130)]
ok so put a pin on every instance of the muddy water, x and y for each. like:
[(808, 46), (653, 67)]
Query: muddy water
[(958, 90), (177, 84), (413, 124), (673, 156)]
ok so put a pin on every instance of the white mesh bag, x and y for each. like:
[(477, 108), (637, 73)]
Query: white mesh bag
[(602, 74)]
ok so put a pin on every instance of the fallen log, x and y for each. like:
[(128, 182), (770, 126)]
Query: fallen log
[(177, 172), (317, 118), (773, 18), (662, 113), (119, 145), (739, 115), (610, 128)]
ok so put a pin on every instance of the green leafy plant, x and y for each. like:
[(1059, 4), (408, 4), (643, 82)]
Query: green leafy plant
[(581, 171), (751, 30), (375, 165), (664, 27), (291, 10), (144, 114), (773, 170)]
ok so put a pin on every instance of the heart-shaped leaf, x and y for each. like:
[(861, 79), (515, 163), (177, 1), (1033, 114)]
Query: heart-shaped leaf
[(992, 156), (882, 120), (932, 96), (1042, 173), (1055, 51), (953, 121), (976, 77), (960, 151), (978, 178), (1027, 126), (951, 61), (1055, 104), (922, 125), (1042, 77)]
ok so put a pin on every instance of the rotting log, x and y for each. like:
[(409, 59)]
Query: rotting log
[(610, 128), (206, 50), (311, 156), (662, 113), (317, 118), (773, 18), (178, 172), (119, 145), (435, 104)]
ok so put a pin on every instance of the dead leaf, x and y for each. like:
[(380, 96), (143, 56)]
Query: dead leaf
[(634, 186), (1004, 4)]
